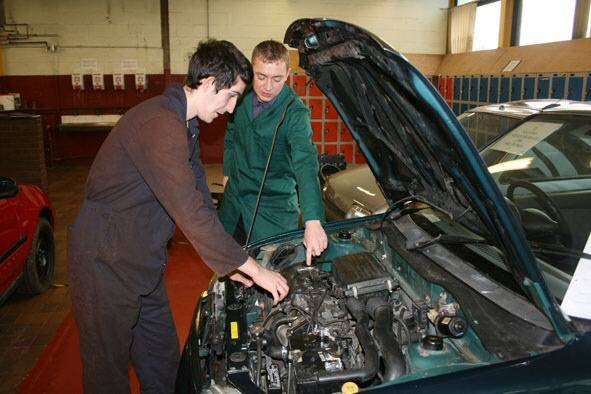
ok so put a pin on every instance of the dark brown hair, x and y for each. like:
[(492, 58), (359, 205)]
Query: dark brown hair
[(221, 60)]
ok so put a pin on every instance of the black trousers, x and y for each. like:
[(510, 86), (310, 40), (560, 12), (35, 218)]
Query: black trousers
[(118, 326)]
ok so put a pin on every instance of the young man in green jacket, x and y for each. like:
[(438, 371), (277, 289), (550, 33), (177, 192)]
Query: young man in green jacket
[(294, 161)]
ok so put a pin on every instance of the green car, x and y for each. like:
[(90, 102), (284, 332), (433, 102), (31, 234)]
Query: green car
[(474, 280)]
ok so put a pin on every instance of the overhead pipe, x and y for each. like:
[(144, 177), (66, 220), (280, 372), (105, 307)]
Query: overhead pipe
[(30, 44)]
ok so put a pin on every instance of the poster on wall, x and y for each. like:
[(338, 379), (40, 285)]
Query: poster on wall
[(119, 81), (88, 66), (77, 81), (98, 81), (129, 66), (141, 82)]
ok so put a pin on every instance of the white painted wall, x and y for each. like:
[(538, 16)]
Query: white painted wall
[(113, 30), (188, 25), (413, 26), (105, 30)]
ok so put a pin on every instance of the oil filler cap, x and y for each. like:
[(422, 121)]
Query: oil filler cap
[(432, 342), (344, 235), (349, 388)]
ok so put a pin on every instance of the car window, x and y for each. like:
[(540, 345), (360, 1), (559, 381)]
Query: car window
[(545, 149), (483, 127), (543, 167)]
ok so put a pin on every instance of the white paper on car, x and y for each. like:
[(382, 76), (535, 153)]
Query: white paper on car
[(523, 138), (577, 300)]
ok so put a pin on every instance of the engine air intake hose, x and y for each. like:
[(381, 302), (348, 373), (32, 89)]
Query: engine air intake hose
[(394, 361)]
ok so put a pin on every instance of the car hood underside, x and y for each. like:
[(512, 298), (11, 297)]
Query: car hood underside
[(412, 141)]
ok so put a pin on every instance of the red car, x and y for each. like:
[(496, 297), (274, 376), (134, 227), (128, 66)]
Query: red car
[(27, 248)]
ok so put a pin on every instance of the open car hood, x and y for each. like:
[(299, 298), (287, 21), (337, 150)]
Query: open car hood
[(411, 139)]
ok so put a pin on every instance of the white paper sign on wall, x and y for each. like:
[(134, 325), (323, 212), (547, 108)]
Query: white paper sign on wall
[(77, 81), (141, 82), (129, 66), (98, 81), (88, 66), (119, 81)]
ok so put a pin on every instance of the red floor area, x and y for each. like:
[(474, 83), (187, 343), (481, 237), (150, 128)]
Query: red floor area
[(59, 369)]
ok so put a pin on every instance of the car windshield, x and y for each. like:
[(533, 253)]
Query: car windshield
[(483, 127), (543, 167)]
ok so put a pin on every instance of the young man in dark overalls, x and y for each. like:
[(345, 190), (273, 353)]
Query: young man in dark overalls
[(146, 178)]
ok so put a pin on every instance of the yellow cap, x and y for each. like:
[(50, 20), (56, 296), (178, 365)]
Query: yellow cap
[(349, 388)]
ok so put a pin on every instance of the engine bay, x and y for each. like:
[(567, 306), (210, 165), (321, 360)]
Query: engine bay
[(359, 315)]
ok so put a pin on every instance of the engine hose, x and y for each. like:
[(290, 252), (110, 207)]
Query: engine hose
[(259, 361), (370, 367), (277, 352), (394, 361)]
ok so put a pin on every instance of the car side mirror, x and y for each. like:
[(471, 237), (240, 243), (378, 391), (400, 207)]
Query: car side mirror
[(8, 187)]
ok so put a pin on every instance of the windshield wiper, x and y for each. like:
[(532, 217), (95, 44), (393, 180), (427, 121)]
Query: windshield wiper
[(544, 248), (405, 209), (445, 239)]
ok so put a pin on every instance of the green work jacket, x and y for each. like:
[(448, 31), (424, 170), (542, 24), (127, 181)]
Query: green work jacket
[(295, 162)]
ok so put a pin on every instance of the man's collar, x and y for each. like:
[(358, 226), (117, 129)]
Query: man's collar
[(265, 104), (177, 100)]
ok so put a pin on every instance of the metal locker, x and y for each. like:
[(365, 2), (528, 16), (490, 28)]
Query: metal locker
[(543, 87), (465, 88), (529, 87), (558, 82), (449, 88), (575, 87), (493, 91), (456, 108), (588, 88), (483, 89), (474, 89), (441, 86), (463, 108), (457, 88), (505, 86), (516, 82)]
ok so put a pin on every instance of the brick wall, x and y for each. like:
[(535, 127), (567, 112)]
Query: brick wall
[(22, 155)]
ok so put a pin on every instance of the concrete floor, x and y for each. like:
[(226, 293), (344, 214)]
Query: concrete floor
[(28, 323)]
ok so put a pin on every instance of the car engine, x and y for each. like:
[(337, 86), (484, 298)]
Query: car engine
[(325, 333), (356, 316), (345, 320)]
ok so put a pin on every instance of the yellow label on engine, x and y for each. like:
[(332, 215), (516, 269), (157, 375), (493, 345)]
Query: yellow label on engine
[(234, 330)]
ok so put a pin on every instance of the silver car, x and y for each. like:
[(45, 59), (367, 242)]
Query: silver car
[(354, 191)]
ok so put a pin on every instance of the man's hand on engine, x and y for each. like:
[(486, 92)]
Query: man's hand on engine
[(315, 240), (238, 277), (269, 280)]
